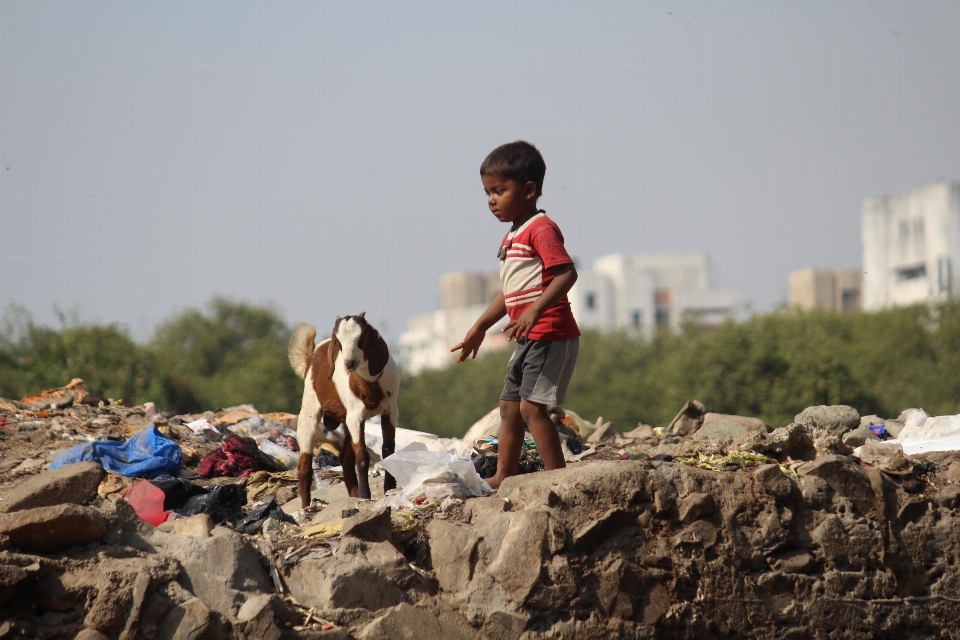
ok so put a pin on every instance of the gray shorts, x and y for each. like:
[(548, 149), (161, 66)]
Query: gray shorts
[(540, 370)]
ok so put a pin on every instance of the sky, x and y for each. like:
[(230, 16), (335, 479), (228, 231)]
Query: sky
[(323, 157)]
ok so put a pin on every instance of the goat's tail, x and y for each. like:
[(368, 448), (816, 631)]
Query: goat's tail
[(302, 347)]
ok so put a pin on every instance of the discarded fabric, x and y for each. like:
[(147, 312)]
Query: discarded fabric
[(237, 457), (148, 454)]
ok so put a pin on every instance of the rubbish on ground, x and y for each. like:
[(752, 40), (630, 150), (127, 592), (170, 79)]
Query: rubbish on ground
[(147, 500), (878, 430), (237, 456), (410, 440), (254, 521), (325, 458), (233, 416), (432, 474), (148, 454), (922, 433), (288, 458), (204, 429), (581, 426), (729, 462), (323, 530)]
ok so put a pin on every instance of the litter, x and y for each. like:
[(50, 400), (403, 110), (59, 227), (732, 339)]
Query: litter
[(237, 456), (148, 454), (582, 427), (288, 458), (922, 433), (733, 459), (878, 430), (324, 530), (433, 475), (147, 500), (204, 429)]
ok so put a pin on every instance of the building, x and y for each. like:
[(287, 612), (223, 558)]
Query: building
[(826, 289), (645, 293), (911, 241), (464, 296)]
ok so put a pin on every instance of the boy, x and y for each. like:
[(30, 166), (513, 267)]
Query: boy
[(535, 275)]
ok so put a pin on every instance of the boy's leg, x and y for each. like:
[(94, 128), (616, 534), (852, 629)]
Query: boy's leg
[(510, 442), (544, 433)]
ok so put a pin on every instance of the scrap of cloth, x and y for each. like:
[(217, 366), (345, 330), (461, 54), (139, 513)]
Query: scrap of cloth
[(148, 454), (237, 456)]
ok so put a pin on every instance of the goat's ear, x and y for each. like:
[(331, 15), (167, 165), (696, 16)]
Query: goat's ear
[(376, 351), (361, 314), (333, 349)]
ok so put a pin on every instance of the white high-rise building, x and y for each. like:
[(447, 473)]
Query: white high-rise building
[(911, 241), (648, 292)]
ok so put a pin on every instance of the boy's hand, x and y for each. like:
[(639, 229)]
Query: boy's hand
[(470, 344), (522, 325)]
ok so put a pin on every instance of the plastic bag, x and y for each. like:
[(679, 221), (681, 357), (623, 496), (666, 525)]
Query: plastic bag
[(148, 454), (147, 500), (433, 474), (288, 458), (204, 429)]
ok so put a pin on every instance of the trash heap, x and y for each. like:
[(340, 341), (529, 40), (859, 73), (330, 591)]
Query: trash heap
[(713, 526)]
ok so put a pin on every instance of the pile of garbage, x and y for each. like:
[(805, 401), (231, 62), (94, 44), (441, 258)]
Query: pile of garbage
[(121, 522)]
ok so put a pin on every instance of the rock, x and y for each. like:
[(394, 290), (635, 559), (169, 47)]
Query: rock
[(223, 569), (286, 494), (191, 620), (504, 625), (370, 525), (858, 436), (696, 506), (894, 427), (699, 532), (837, 418), (642, 431), (607, 431), (90, 634), (689, 419), (773, 480), (403, 622), (592, 534), (845, 477), (255, 620), (72, 483), (451, 549), (720, 425), (886, 456), (348, 582), (792, 561), (14, 577), (198, 526), (48, 529)]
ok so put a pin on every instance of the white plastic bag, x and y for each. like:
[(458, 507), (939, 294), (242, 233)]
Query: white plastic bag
[(287, 458), (435, 474)]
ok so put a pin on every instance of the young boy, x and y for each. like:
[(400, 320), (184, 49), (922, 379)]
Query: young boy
[(535, 275)]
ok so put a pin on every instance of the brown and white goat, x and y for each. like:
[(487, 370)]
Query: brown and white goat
[(348, 379)]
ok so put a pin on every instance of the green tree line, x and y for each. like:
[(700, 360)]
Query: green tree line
[(771, 366)]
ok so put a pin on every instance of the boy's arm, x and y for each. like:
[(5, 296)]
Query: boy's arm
[(564, 276), (471, 342)]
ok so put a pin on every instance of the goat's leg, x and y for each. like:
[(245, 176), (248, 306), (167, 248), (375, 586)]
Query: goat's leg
[(307, 426), (389, 446), (305, 477), (363, 464), (348, 463)]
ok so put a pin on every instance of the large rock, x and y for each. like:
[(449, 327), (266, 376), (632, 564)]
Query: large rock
[(720, 425), (341, 582), (606, 432), (857, 437), (845, 477), (836, 418), (696, 506), (405, 622), (689, 419), (48, 529), (451, 549), (191, 620), (373, 526), (516, 569), (773, 480), (72, 483), (222, 570)]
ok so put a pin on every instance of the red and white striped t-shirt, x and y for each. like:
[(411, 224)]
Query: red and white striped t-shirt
[(527, 270)]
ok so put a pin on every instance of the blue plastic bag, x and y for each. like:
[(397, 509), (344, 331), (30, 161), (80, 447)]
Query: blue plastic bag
[(148, 454)]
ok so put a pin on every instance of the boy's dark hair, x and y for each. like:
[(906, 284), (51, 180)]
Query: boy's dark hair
[(518, 161)]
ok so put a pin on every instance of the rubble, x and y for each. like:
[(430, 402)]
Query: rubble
[(717, 526)]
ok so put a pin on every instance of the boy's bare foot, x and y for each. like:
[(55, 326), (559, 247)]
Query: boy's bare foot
[(494, 481)]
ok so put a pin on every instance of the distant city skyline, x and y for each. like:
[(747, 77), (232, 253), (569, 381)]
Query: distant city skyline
[(323, 156)]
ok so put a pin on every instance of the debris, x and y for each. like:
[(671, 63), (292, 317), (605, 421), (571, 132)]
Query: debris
[(728, 462), (56, 398), (605, 431), (147, 500), (432, 474), (148, 454), (237, 456)]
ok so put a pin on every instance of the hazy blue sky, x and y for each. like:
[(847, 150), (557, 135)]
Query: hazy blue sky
[(323, 156)]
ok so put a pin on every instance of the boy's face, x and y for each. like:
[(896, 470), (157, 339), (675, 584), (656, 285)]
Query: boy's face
[(507, 198)]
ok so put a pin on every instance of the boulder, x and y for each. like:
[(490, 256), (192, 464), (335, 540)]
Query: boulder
[(845, 477), (642, 431), (689, 419), (593, 533), (451, 549), (48, 529), (369, 525), (198, 526), (90, 634), (606, 432), (857, 437), (719, 425), (73, 483), (404, 621), (773, 480), (837, 418), (696, 506), (348, 582), (699, 532), (191, 620), (255, 620), (517, 566)]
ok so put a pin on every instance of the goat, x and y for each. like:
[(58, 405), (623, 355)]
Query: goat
[(347, 379)]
